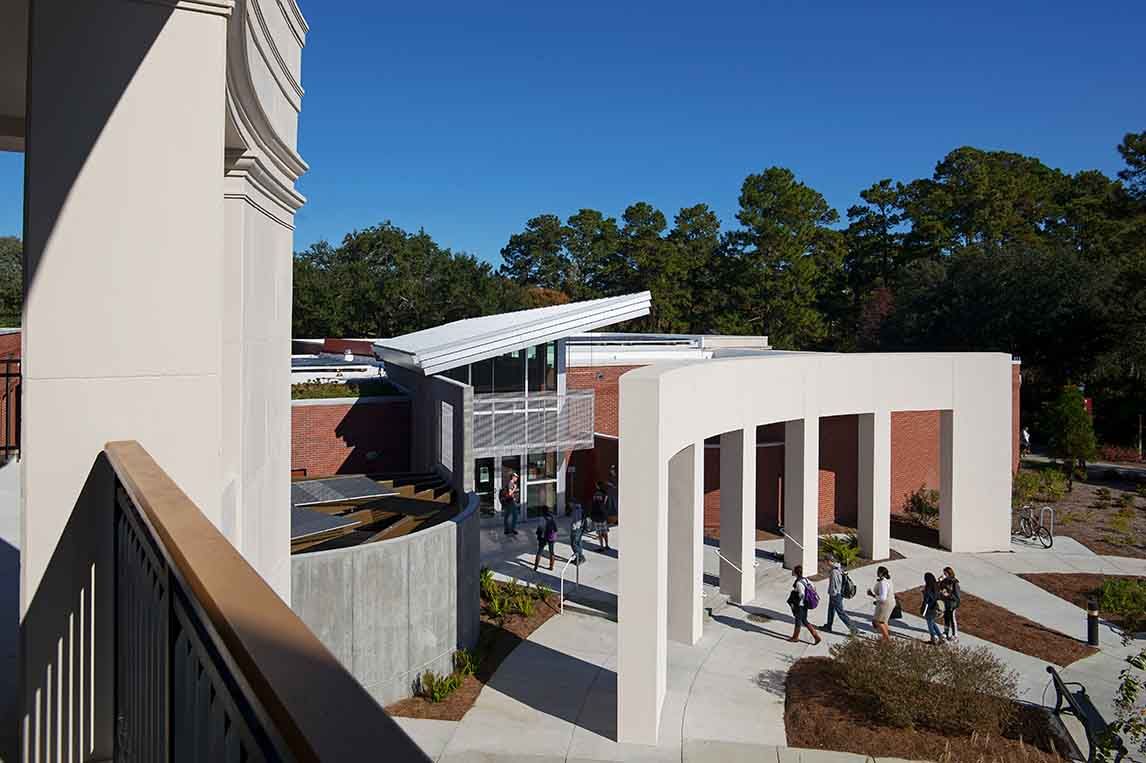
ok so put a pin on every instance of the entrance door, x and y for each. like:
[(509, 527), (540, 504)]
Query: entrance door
[(483, 484)]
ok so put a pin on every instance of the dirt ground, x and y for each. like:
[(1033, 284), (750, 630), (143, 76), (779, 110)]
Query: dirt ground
[(1075, 588), (821, 713), (1102, 525), (1001, 626), (499, 640)]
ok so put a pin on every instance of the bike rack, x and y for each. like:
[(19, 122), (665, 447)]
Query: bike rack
[(1042, 521), (577, 584)]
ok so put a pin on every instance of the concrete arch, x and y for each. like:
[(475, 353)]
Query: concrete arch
[(666, 412)]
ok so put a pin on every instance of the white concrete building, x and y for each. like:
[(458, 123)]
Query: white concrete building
[(662, 433)]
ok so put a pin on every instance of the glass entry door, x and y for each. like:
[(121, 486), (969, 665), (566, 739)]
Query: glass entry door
[(484, 484)]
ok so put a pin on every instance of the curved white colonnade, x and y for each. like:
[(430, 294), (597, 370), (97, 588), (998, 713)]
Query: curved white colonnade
[(667, 411)]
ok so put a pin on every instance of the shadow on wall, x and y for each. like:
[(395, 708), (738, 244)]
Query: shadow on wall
[(67, 635), (52, 80), (376, 437), (9, 651)]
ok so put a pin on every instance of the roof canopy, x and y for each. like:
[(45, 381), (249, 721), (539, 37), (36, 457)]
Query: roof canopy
[(450, 345)]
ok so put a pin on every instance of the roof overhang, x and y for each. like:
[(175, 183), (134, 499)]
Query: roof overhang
[(441, 348)]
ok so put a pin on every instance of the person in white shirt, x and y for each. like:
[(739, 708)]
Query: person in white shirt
[(798, 601), (884, 594)]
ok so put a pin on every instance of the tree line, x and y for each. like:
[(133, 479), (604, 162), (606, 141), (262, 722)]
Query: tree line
[(995, 251)]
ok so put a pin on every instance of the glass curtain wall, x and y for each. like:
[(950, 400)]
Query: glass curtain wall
[(532, 370)]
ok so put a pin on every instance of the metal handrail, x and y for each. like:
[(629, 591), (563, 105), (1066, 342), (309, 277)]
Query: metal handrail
[(789, 537), (561, 599), (755, 563)]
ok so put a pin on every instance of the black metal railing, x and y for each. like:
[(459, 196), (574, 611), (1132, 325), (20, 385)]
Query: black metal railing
[(9, 407), (210, 664)]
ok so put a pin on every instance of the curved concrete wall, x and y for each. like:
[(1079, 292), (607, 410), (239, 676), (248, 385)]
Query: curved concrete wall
[(662, 431), (393, 609)]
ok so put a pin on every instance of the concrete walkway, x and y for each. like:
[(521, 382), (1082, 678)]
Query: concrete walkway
[(554, 698)]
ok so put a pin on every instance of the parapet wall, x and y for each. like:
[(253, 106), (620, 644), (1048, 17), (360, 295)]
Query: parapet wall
[(392, 609)]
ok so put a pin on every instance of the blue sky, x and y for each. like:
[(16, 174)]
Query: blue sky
[(469, 118)]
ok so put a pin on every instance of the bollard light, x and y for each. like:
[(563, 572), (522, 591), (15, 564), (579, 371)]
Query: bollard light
[(1092, 621)]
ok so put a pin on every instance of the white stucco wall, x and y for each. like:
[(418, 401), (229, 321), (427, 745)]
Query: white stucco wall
[(660, 416)]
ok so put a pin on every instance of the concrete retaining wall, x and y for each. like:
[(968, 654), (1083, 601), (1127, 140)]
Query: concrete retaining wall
[(393, 609), (426, 454)]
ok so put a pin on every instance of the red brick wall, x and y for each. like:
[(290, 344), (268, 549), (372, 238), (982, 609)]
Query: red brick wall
[(360, 438), (914, 454), (590, 466), (1016, 398), (606, 391), (10, 344)]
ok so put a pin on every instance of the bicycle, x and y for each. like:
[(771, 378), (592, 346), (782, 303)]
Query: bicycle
[(1030, 527)]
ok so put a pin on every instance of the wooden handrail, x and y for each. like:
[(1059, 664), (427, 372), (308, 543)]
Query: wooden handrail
[(316, 707)]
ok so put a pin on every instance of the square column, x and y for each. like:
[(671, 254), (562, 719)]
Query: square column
[(738, 514), (875, 484), (686, 544), (801, 492), (947, 487)]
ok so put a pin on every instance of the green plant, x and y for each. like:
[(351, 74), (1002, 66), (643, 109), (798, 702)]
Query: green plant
[(316, 390), (1141, 490), (908, 682), (542, 592), (1071, 429), (486, 582), (844, 548), (496, 607), (1129, 714), (1126, 501), (436, 688), (522, 604), (1125, 597), (465, 662), (923, 505)]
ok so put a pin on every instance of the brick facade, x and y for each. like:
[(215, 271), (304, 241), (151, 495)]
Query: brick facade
[(10, 344), (914, 455), (9, 392), (367, 436), (606, 392)]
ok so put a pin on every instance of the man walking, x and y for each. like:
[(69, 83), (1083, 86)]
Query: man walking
[(509, 505), (836, 598)]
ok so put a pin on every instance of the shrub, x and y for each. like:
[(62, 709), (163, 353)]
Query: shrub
[(522, 604), (1126, 502), (1125, 597), (955, 689), (486, 582), (542, 592), (1038, 485), (435, 687), (316, 390), (923, 505), (496, 607), (1118, 453), (1141, 490), (845, 548), (465, 662)]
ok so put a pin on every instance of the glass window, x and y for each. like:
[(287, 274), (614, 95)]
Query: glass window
[(543, 367), (541, 494), (509, 372), (481, 376), (542, 466)]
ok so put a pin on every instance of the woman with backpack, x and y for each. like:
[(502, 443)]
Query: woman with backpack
[(949, 594), (546, 535), (931, 606), (884, 594), (802, 598), (509, 507)]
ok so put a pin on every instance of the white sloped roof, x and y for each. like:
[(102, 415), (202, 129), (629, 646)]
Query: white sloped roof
[(450, 345)]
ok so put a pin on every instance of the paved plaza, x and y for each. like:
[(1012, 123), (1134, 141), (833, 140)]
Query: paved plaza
[(554, 697)]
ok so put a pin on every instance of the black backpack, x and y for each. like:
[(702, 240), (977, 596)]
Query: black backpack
[(848, 589)]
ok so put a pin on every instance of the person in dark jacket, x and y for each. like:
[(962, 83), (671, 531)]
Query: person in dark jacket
[(546, 536), (931, 606), (599, 513), (949, 594), (836, 598), (576, 530), (798, 601)]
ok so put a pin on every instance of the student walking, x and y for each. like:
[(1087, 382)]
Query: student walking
[(838, 590), (600, 516), (546, 535), (931, 606), (802, 598), (577, 531), (949, 594), (509, 505), (884, 594)]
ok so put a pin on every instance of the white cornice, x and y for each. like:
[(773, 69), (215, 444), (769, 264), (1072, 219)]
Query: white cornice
[(269, 52), (251, 168), (214, 7), (294, 17)]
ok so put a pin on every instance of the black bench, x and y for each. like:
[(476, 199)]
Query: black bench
[(1080, 706)]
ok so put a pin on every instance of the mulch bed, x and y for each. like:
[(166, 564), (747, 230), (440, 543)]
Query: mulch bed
[(821, 713), (1094, 523), (1076, 587), (993, 623), (499, 639), (906, 528)]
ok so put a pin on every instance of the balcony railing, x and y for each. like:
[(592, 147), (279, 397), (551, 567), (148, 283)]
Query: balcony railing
[(9, 407), (539, 421), (209, 663)]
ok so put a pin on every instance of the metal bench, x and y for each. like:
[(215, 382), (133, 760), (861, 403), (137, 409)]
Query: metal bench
[(1079, 705)]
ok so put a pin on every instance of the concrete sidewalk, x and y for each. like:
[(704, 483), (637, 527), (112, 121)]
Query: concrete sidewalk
[(554, 697)]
